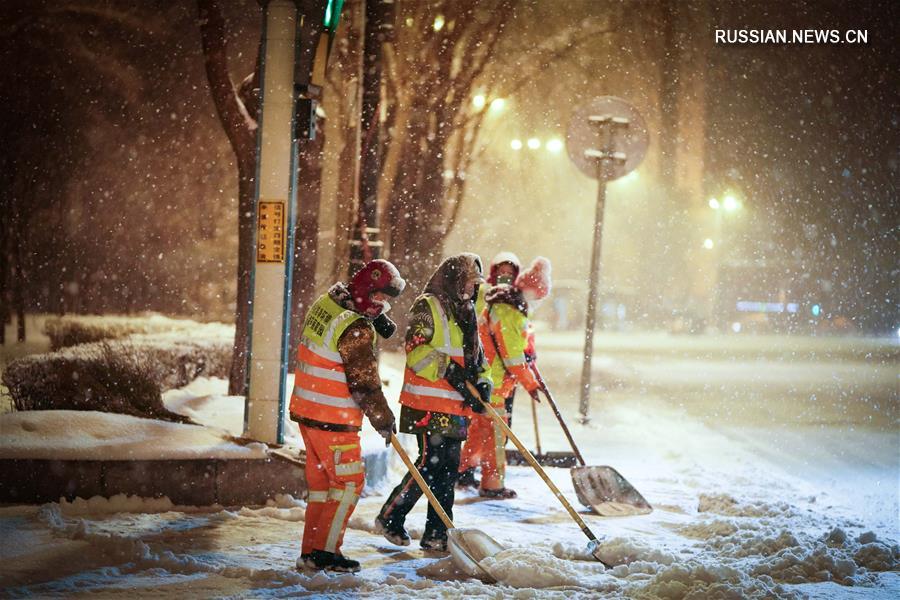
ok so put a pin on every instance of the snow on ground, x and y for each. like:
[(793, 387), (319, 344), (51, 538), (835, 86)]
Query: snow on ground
[(91, 435), (759, 491)]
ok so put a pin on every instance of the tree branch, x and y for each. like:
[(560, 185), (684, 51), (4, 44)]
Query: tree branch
[(236, 122)]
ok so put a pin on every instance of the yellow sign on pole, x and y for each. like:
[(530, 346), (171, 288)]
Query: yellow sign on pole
[(270, 232)]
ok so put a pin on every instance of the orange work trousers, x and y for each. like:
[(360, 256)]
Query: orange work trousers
[(485, 447), (335, 476)]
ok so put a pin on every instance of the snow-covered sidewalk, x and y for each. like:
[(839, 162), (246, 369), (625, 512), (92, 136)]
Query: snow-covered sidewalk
[(741, 510)]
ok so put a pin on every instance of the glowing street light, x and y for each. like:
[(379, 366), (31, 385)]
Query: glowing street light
[(555, 145), (478, 101), (516, 144), (534, 143), (708, 244), (714, 204), (730, 203), (497, 104), (439, 22)]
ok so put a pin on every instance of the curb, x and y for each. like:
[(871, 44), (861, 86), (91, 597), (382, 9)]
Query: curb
[(190, 482)]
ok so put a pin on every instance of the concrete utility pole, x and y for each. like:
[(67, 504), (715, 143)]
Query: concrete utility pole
[(607, 138), (293, 48)]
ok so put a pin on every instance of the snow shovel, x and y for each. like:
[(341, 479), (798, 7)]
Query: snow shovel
[(601, 488), (468, 547), (593, 542)]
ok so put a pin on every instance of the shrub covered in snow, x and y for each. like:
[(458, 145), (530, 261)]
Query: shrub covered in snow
[(71, 330), (102, 376), (124, 376)]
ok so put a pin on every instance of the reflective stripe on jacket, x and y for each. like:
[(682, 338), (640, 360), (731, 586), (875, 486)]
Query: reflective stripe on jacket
[(320, 384)]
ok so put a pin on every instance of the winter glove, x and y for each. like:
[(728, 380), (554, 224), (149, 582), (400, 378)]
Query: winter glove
[(387, 433), (456, 377), (384, 326), (485, 388), (473, 403), (534, 394)]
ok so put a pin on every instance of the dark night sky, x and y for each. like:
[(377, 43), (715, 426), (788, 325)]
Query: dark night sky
[(813, 131)]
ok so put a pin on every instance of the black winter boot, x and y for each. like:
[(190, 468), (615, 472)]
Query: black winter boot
[(467, 480), (328, 561), (395, 534)]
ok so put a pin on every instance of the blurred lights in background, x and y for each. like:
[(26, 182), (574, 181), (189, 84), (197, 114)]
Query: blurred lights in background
[(439, 22), (534, 143), (555, 145), (708, 244), (516, 144), (478, 101), (497, 104)]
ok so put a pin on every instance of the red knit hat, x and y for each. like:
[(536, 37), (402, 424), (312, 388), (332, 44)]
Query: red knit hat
[(376, 276), (535, 281)]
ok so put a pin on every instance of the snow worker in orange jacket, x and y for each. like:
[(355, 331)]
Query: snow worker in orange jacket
[(443, 356), (506, 333), (335, 383)]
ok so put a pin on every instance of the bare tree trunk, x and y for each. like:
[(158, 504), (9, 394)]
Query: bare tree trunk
[(18, 290), (378, 26), (306, 231), (239, 126)]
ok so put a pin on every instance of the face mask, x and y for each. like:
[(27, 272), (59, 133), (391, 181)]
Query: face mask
[(385, 306), (505, 279)]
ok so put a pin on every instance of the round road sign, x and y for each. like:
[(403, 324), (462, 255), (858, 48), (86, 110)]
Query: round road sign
[(607, 127)]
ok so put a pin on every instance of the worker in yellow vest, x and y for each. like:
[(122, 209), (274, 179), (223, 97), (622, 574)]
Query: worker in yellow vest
[(443, 355), (508, 340), (335, 383)]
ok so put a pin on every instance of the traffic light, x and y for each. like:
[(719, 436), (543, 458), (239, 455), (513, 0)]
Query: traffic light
[(332, 15)]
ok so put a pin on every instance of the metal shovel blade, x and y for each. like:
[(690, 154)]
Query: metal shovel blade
[(607, 492), (468, 547)]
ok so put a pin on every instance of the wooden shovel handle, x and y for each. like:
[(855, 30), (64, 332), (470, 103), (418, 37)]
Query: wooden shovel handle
[(414, 471), (531, 460), (556, 412)]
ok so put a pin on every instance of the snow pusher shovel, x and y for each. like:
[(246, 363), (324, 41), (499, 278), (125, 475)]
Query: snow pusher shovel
[(593, 542), (602, 489), (468, 547)]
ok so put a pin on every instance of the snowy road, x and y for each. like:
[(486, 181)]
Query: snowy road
[(773, 471)]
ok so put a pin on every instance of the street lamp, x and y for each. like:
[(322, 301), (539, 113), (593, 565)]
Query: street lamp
[(730, 203), (708, 244), (714, 204), (534, 143), (439, 22), (497, 104), (555, 145), (478, 101), (516, 144)]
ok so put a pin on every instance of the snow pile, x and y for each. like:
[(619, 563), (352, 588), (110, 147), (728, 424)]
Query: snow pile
[(834, 557), (696, 581), (90, 435), (723, 504), (120, 503), (533, 568)]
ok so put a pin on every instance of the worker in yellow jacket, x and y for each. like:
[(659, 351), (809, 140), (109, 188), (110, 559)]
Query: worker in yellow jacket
[(444, 356), (506, 333)]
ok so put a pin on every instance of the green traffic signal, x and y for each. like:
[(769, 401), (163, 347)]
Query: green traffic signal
[(333, 14)]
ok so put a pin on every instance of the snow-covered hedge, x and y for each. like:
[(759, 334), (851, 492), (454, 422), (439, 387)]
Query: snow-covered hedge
[(125, 376), (71, 330)]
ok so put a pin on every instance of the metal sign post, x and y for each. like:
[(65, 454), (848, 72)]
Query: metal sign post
[(607, 138)]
